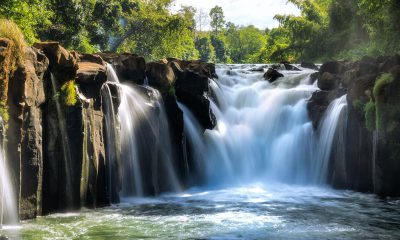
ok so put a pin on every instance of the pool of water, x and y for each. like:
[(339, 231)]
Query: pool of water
[(249, 212)]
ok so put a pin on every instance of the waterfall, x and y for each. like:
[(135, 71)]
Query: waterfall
[(146, 152), (263, 131), (8, 206), (62, 125), (112, 134)]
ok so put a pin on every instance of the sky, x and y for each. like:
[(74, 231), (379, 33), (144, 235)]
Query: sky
[(244, 12)]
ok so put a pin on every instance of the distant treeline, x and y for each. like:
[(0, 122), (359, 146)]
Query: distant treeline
[(326, 29)]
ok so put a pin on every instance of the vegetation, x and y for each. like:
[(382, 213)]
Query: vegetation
[(370, 116), (326, 29), (68, 93), (10, 30)]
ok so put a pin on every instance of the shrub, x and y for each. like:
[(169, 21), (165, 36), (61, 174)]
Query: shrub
[(68, 93), (10, 30)]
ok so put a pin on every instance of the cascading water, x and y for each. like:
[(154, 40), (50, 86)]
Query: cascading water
[(8, 208), (263, 131), (66, 150), (146, 153)]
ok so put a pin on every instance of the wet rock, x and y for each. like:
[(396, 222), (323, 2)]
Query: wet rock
[(319, 102), (200, 67), (200, 107), (272, 75), (328, 81), (91, 77), (348, 77), (334, 67), (314, 77), (290, 67), (129, 67), (259, 69), (309, 65), (160, 76)]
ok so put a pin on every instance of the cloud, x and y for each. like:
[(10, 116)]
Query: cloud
[(244, 12)]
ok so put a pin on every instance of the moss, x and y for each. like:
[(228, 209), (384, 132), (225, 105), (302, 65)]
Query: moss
[(384, 80), (358, 105), (370, 115), (68, 93), (10, 30), (386, 114)]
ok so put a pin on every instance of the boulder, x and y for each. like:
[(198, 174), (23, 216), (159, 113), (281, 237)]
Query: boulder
[(160, 76), (290, 67), (272, 75), (62, 62), (328, 81), (313, 77), (91, 77), (333, 67), (309, 65), (129, 67)]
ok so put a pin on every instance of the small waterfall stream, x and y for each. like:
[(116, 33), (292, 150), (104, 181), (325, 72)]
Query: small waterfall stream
[(263, 131), (146, 152), (8, 207)]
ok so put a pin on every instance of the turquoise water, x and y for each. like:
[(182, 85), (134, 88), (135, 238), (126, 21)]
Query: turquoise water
[(248, 212)]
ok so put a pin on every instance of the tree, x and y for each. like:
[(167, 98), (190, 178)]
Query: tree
[(218, 41), (244, 42), (206, 50), (217, 19)]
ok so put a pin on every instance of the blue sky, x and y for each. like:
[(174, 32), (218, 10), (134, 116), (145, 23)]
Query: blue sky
[(244, 12)]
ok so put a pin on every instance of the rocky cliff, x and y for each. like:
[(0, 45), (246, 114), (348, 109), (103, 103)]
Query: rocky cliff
[(56, 115), (372, 85)]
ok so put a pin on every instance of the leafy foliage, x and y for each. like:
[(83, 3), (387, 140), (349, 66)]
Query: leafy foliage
[(325, 29), (68, 93)]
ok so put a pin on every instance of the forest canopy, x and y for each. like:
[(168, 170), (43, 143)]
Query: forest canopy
[(326, 29)]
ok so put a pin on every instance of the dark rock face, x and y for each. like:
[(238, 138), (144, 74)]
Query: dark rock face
[(24, 148), (272, 75), (160, 76), (57, 134), (328, 81), (190, 87), (319, 102), (371, 162), (129, 67)]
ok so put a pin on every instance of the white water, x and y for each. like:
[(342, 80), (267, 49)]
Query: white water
[(263, 131), (8, 207), (146, 153)]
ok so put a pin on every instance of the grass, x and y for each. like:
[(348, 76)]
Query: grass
[(10, 30)]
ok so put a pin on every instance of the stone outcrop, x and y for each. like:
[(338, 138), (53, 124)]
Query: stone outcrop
[(272, 75), (129, 67), (372, 162), (24, 133)]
